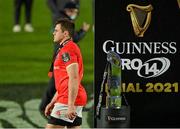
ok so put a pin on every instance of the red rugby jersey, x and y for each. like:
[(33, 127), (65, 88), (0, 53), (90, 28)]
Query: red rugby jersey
[(69, 53)]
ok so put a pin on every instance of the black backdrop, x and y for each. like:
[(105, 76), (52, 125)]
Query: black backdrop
[(113, 22)]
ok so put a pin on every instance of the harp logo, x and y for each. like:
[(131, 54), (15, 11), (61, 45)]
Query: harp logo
[(140, 17)]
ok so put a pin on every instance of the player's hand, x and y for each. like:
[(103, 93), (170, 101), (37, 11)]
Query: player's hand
[(48, 109), (85, 26), (71, 113)]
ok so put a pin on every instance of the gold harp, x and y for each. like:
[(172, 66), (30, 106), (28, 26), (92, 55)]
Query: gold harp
[(140, 17)]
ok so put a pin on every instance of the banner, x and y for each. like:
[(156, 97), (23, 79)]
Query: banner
[(146, 35)]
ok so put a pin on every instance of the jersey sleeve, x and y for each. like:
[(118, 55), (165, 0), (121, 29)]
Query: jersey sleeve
[(68, 57)]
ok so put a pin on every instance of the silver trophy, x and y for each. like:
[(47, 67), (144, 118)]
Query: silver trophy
[(113, 87), (114, 114)]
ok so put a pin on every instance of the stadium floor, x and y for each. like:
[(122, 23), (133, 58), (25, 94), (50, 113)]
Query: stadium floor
[(19, 107)]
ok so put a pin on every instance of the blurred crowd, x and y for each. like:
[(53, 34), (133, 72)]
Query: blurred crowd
[(58, 8)]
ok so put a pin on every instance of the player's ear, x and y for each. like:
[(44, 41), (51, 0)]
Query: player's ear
[(66, 33)]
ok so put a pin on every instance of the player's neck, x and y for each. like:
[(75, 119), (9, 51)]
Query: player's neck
[(64, 41)]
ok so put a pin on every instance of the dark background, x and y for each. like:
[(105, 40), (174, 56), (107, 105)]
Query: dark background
[(112, 21)]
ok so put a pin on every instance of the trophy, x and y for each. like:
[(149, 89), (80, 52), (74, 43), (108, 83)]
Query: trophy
[(113, 89), (113, 114)]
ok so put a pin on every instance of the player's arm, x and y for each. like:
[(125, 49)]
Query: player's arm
[(50, 106), (73, 84), (54, 98)]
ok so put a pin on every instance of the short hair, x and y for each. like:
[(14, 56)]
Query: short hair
[(66, 25)]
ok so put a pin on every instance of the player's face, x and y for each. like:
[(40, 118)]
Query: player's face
[(58, 34)]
